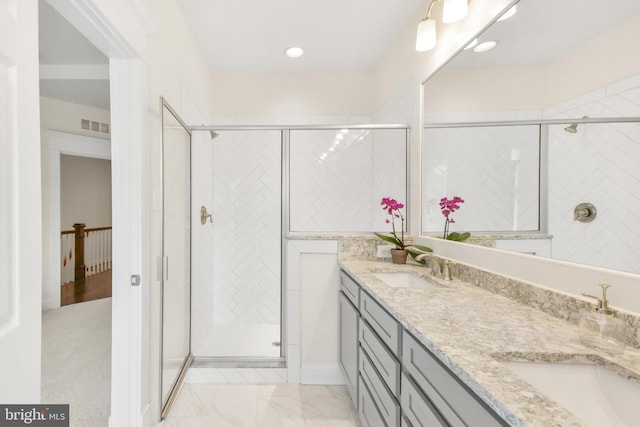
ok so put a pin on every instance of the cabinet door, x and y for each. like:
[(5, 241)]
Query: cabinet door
[(386, 403), (350, 288), (458, 405), (367, 409), (418, 410), (386, 364), (349, 345), (382, 323)]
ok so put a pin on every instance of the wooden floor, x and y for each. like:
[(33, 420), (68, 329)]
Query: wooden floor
[(93, 287)]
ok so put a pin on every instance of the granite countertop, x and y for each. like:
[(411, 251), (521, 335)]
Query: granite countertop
[(470, 329)]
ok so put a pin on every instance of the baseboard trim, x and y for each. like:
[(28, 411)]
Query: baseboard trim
[(50, 304), (321, 374)]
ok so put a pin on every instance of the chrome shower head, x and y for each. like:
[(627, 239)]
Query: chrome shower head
[(213, 133), (573, 127)]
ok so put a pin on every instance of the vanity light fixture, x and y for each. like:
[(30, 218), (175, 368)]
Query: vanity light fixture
[(485, 46), (294, 52), (453, 11)]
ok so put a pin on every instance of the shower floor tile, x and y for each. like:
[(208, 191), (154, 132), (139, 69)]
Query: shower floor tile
[(277, 405)]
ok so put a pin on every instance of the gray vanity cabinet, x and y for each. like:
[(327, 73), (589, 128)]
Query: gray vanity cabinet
[(379, 363), (432, 396), (349, 298), (393, 379)]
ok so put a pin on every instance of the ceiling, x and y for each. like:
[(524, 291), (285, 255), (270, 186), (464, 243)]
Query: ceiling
[(244, 36), (248, 36), (63, 51), (542, 30)]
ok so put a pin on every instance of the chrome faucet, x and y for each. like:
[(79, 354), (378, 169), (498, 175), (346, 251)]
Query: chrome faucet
[(439, 267)]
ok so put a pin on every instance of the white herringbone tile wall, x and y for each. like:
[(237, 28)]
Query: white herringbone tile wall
[(339, 177), (599, 164), (494, 169), (246, 245)]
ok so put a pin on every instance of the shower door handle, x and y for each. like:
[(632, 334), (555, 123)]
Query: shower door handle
[(163, 268)]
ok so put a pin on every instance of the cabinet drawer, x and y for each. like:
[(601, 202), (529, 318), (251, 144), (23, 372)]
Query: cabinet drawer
[(349, 320), (417, 408), (350, 288), (458, 405), (369, 415), (382, 323), (385, 362), (386, 403)]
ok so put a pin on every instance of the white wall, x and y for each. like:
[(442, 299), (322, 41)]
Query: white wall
[(282, 97), (85, 185), (63, 116), (178, 72)]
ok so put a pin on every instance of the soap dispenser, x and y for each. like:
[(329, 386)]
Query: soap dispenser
[(600, 329)]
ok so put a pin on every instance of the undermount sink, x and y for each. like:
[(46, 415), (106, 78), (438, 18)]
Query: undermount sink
[(405, 280), (593, 393)]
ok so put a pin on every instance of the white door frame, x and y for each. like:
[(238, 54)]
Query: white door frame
[(73, 145), (103, 24)]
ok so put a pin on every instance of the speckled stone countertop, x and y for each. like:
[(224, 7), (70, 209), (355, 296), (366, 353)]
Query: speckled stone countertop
[(471, 329)]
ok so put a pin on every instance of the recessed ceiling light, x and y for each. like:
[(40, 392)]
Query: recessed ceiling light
[(294, 52), (509, 13), (472, 44), (483, 47)]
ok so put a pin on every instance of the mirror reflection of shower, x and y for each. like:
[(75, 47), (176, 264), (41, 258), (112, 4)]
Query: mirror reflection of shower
[(573, 127)]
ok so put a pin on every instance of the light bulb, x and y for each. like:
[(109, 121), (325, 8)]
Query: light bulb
[(454, 10), (483, 47), (294, 52), (426, 37)]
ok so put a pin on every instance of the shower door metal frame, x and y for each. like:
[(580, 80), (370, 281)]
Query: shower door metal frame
[(164, 408)]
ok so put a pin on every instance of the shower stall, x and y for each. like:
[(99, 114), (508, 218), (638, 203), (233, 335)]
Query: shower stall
[(262, 185), (237, 308)]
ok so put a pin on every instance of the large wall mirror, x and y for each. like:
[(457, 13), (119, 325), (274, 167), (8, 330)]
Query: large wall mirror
[(545, 121)]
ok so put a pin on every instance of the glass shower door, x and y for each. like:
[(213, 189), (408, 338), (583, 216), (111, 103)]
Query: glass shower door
[(176, 256)]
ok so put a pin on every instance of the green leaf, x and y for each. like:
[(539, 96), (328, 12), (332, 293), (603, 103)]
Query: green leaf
[(420, 249), (390, 239), (458, 237)]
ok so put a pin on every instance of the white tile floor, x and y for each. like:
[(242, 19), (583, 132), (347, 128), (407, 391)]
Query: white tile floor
[(278, 405)]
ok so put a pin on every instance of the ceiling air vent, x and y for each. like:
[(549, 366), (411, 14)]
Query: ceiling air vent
[(93, 126)]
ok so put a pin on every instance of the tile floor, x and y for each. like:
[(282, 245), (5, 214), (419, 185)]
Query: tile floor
[(277, 405)]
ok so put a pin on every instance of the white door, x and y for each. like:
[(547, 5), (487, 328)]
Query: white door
[(20, 218)]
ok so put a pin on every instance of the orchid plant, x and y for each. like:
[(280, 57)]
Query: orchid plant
[(448, 207), (393, 209)]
